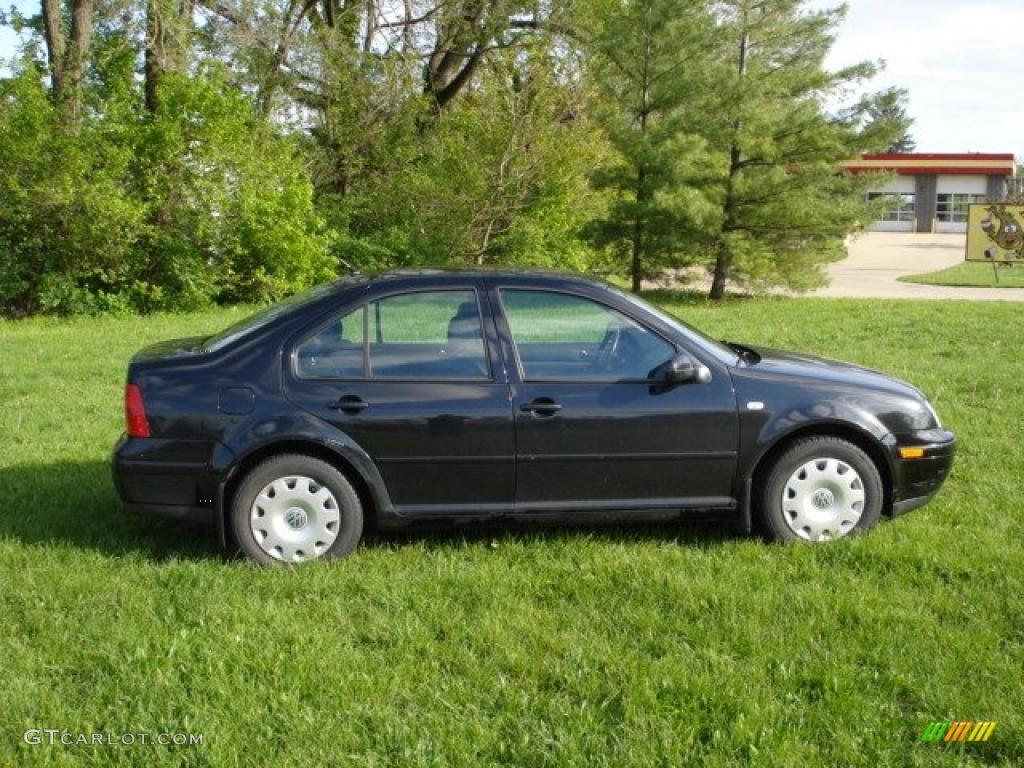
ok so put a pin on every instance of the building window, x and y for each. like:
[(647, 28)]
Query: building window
[(900, 208), (952, 206)]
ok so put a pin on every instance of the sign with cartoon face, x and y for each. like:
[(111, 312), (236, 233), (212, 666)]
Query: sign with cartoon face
[(995, 232)]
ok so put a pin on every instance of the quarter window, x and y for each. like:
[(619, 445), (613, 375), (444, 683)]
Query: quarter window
[(425, 335), (563, 337)]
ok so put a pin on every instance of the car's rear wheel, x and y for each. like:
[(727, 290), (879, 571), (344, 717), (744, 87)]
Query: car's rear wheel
[(294, 508), (820, 489)]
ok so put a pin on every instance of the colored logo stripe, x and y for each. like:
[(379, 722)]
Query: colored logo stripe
[(982, 731), (961, 730), (935, 731), (958, 731)]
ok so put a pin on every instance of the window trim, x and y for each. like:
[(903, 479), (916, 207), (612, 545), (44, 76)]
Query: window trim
[(521, 372), (368, 376)]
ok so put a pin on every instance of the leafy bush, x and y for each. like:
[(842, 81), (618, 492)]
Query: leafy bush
[(200, 203)]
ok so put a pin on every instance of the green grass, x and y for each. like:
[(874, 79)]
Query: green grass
[(649, 646), (972, 273)]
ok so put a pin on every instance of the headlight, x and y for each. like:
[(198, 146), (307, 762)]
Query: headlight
[(931, 410)]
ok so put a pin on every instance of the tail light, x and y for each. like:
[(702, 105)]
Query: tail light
[(135, 419)]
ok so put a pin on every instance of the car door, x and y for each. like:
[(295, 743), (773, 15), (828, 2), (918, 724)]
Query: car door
[(595, 427), (411, 377)]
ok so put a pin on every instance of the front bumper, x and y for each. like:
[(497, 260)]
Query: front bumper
[(164, 478), (917, 480)]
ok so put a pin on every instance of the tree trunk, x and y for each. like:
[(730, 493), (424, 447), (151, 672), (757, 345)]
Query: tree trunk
[(153, 66), (643, 194), (167, 26), (723, 259), (75, 58), (721, 273), (53, 32), (67, 54), (635, 268)]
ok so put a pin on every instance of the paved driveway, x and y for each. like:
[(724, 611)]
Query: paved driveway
[(877, 258)]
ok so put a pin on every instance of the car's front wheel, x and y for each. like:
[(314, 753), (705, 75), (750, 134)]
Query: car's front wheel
[(819, 489), (294, 508)]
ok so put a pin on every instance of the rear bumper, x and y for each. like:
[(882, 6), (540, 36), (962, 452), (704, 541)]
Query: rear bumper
[(171, 479), (198, 514), (917, 480)]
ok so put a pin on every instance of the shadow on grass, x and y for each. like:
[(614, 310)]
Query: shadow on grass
[(74, 504), (670, 529)]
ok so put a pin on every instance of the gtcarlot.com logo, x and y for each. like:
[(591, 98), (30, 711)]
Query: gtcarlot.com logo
[(960, 730), (58, 736)]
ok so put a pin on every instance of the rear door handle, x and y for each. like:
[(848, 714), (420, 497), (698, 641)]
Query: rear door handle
[(542, 406), (349, 404)]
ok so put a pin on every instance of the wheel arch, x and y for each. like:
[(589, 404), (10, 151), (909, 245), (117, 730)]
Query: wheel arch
[(859, 437), (373, 499)]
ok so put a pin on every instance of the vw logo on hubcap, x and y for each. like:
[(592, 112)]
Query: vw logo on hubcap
[(822, 498), (296, 518)]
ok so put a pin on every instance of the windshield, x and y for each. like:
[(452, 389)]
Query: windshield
[(265, 316), (720, 351)]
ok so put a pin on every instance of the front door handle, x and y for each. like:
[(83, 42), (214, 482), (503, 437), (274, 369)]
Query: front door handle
[(542, 406), (348, 404)]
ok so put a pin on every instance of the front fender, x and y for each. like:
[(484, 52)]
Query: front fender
[(771, 415)]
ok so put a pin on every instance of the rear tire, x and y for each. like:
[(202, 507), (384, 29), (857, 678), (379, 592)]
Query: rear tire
[(820, 489), (293, 508)]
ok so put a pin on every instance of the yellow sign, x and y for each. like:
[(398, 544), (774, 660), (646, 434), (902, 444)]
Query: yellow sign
[(995, 232)]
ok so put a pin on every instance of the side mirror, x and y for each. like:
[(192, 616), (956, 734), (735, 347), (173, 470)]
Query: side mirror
[(683, 369)]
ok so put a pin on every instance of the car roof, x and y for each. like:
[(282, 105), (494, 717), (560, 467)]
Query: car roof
[(431, 274)]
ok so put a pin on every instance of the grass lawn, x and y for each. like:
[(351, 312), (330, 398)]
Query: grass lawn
[(649, 646), (972, 273)]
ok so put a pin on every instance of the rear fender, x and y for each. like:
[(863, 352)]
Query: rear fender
[(291, 431)]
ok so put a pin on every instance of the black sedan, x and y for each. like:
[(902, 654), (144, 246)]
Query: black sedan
[(434, 395)]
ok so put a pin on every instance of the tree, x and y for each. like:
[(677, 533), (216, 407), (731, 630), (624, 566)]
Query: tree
[(168, 28), (782, 206), (646, 57), (886, 112), (67, 52)]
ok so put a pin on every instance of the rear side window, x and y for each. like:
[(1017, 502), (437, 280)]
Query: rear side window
[(433, 335), (337, 351)]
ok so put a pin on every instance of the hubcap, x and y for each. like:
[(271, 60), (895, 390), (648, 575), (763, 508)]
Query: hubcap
[(295, 518), (823, 499)]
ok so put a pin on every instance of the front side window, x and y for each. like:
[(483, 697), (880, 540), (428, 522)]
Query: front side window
[(425, 335), (563, 337)]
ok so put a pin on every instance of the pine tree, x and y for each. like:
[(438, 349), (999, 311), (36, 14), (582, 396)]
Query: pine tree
[(887, 111), (646, 57), (783, 208)]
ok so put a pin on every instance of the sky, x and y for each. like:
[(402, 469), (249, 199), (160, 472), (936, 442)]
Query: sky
[(961, 60)]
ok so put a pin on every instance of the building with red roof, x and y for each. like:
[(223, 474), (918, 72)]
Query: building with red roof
[(931, 191)]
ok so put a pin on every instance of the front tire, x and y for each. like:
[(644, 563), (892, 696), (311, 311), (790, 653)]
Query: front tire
[(820, 489), (294, 508)]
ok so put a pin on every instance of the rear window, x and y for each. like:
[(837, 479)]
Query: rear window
[(266, 316)]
